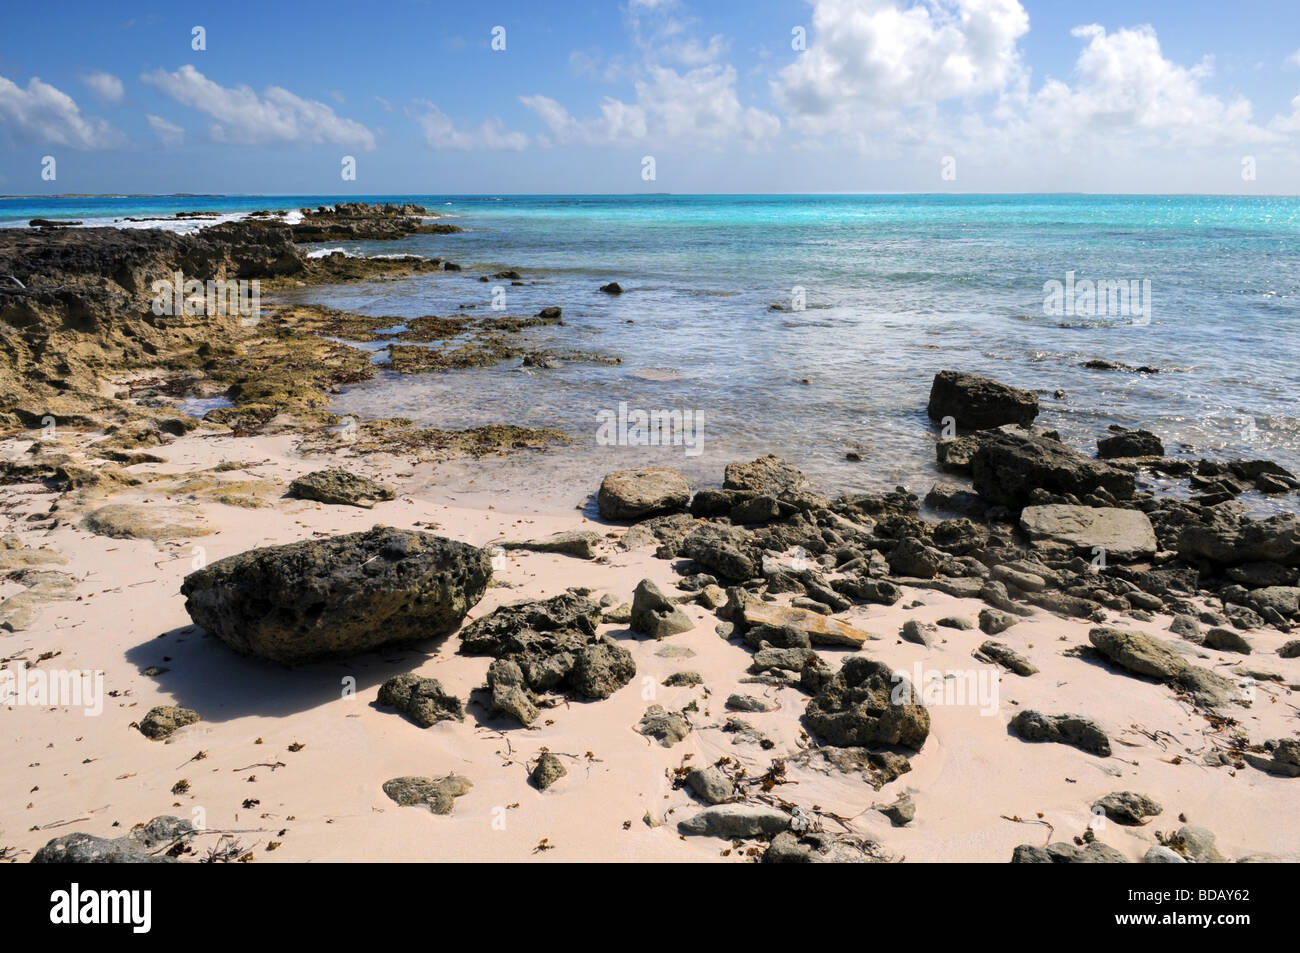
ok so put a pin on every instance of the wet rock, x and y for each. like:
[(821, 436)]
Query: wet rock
[(1130, 443), (338, 596), (1074, 730), (437, 794), (950, 498), (613, 288), (1123, 535), (711, 785), (655, 615), (736, 821), (547, 771), (1008, 468), (666, 727), (340, 487), (1127, 807), (421, 699), (866, 703), (580, 543), (161, 721), (146, 844), (1004, 655), (978, 403), (637, 494)]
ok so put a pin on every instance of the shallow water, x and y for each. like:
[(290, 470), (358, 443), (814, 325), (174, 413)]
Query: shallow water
[(896, 288)]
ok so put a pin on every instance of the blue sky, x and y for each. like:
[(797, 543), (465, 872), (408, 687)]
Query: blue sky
[(886, 95)]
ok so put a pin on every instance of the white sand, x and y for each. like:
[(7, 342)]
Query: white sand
[(62, 765)]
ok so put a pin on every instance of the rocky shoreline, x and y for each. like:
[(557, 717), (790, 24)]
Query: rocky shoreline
[(1046, 567)]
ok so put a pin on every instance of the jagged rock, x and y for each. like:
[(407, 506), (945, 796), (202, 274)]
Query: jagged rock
[(1008, 468), (439, 794), (901, 813), (819, 847), (655, 615), (510, 694), (711, 785), (666, 727), (601, 668), (161, 721), (1004, 655), (978, 403), (1124, 535), (547, 771), (1127, 807), (1225, 536), (1074, 730), (1284, 600), (768, 476), (613, 288), (580, 543), (726, 551), (736, 821), (913, 558), (1283, 758), (338, 596), (421, 699), (340, 487), (637, 494), (145, 844), (866, 703)]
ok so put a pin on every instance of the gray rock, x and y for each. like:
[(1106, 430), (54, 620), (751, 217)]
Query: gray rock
[(1074, 730), (736, 821), (666, 727), (901, 813), (1130, 443), (995, 621), (338, 596), (1127, 807), (1142, 654), (819, 847), (1225, 536), (655, 615), (1004, 655), (637, 494), (1063, 853), (1197, 845), (437, 794), (421, 699), (1159, 854), (747, 703), (1290, 649), (580, 543), (917, 633), (165, 719), (1007, 468), (510, 694), (340, 487), (1124, 535), (1226, 640), (146, 844), (711, 785)]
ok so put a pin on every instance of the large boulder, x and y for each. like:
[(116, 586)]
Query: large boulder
[(867, 703), (338, 596), (637, 494), (1146, 655), (979, 403), (1129, 443), (1007, 468), (1124, 535), (1224, 535)]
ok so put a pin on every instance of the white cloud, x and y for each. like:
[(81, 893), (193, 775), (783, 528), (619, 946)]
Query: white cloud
[(46, 114), (440, 131), (1293, 59), (700, 105), (105, 86), (168, 133), (866, 55), (242, 116)]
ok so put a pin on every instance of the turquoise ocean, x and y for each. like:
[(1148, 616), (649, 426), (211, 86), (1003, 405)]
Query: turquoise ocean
[(812, 325)]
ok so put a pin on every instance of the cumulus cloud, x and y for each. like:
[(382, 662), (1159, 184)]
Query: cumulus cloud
[(105, 86), (43, 113), (868, 55), (700, 105), (243, 117), (440, 131), (168, 133)]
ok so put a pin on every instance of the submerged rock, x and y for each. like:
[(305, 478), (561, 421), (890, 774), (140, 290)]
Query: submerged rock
[(340, 487), (338, 596)]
